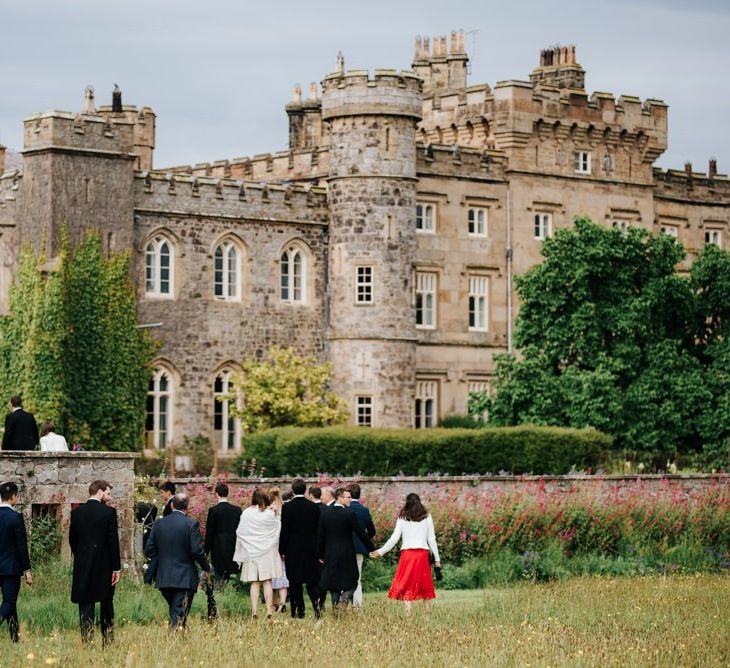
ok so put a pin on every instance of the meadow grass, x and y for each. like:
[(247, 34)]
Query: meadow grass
[(587, 621)]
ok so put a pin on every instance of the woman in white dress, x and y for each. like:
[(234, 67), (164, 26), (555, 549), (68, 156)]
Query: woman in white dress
[(257, 548), (50, 440)]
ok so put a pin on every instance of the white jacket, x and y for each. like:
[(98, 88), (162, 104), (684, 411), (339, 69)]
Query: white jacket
[(414, 535)]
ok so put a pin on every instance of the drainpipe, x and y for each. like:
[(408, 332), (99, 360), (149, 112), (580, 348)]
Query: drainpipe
[(508, 255)]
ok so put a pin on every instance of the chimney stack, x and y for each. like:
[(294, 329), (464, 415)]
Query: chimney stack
[(89, 106), (712, 171), (117, 100), (2, 158)]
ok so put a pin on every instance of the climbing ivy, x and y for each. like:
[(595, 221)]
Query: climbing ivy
[(71, 348)]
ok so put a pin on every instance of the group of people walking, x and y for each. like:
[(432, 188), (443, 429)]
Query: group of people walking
[(298, 541)]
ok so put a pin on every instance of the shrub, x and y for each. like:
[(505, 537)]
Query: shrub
[(44, 539), (351, 450)]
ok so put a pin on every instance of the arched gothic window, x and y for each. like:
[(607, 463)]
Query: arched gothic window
[(159, 267), (159, 410), (293, 274), (227, 274), (227, 428)]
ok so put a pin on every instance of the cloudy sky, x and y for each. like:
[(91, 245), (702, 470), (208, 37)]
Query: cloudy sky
[(219, 72)]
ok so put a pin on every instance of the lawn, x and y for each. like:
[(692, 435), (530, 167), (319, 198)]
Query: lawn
[(676, 620)]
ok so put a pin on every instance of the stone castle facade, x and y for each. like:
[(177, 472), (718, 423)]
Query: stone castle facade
[(385, 239)]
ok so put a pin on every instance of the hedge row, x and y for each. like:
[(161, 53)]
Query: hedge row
[(356, 450)]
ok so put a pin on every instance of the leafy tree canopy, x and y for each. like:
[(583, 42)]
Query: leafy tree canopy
[(286, 389), (612, 336)]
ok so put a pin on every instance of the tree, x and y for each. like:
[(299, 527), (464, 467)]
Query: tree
[(285, 389), (608, 332), (70, 345)]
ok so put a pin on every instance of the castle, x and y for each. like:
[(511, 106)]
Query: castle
[(385, 239)]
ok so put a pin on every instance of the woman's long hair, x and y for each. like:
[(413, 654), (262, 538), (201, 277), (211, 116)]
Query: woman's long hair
[(275, 498), (260, 498), (47, 428), (413, 510)]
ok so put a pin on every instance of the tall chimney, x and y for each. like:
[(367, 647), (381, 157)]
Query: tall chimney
[(2, 158), (117, 100), (712, 171)]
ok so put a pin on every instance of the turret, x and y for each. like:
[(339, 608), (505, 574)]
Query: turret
[(372, 195)]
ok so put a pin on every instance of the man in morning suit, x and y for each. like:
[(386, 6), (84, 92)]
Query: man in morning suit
[(298, 548), (336, 549), (175, 541), (220, 534), (14, 559), (94, 539), (167, 491), (365, 520), (21, 430)]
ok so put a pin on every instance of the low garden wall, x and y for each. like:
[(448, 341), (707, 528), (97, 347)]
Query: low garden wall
[(53, 483)]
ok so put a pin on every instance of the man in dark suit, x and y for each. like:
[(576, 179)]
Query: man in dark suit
[(21, 430), (94, 539), (365, 520), (14, 559), (298, 548), (167, 491), (175, 540), (336, 549), (220, 534)]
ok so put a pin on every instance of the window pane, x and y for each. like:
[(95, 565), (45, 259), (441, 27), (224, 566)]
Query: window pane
[(150, 268), (232, 271), (218, 272)]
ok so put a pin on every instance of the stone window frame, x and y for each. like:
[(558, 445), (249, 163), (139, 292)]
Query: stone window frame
[(713, 236), (425, 207), (233, 243), (225, 373), (426, 402), (475, 282), (419, 290), (473, 222), (582, 160), (364, 406), (298, 247), (152, 248), (364, 293), (665, 228), (542, 225), (155, 393)]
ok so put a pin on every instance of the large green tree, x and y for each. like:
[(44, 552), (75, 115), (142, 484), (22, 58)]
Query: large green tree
[(611, 335), (70, 345)]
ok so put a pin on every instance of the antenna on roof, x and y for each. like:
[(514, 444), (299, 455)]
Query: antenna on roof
[(473, 34)]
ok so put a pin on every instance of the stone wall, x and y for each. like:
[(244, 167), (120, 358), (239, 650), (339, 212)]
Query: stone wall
[(62, 480)]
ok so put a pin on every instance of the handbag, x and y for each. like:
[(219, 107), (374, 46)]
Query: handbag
[(436, 569)]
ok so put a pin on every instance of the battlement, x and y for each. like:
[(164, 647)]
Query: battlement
[(81, 132), (305, 164), (460, 161), (356, 93), (187, 194), (689, 185)]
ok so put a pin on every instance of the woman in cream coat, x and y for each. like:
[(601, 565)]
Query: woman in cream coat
[(257, 548)]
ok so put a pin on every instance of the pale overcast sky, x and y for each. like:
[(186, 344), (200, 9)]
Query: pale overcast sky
[(219, 72)]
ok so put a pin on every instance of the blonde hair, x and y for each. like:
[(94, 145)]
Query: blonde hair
[(276, 501)]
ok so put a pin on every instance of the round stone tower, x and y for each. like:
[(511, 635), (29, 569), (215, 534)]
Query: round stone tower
[(372, 243)]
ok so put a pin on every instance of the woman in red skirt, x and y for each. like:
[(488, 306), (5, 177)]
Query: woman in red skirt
[(414, 528)]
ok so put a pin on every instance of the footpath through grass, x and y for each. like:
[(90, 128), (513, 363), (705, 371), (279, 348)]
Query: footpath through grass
[(672, 621)]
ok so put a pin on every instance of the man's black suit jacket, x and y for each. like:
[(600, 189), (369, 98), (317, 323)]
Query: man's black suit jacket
[(298, 540), (175, 541), (220, 536), (14, 559), (21, 431), (94, 540)]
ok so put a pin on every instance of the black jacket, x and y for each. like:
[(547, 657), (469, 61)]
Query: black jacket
[(336, 548), (14, 559), (220, 536), (298, 540), (175, 541), (21, 431), (365, 520), (94, 540)]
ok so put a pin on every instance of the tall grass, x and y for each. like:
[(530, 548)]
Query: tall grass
[(654, 621)]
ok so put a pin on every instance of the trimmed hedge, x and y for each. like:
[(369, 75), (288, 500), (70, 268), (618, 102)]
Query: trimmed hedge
[(357, 450)]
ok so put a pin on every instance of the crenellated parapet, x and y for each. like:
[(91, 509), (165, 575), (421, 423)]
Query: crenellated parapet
[(294, 165), (442, 160), (690, 186), (88, 133), (200, 196)]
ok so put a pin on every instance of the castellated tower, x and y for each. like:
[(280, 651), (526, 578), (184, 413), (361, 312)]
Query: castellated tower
[(372, 244)]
